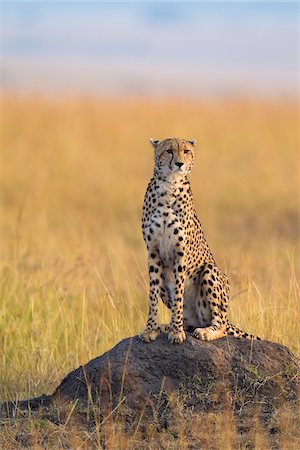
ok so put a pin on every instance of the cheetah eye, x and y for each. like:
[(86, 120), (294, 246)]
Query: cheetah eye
[(170, 151), (186, 150)]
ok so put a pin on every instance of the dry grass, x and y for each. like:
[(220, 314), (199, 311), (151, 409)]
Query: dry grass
[(73, 264)]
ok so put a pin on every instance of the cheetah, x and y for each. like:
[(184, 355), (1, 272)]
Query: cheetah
[(182, 269)]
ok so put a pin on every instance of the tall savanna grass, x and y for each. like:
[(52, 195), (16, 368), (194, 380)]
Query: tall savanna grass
[(73, 262)]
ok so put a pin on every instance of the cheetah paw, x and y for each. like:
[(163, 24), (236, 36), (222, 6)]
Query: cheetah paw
[(149, 335), (208, 334), (202, 334), (176, 337)]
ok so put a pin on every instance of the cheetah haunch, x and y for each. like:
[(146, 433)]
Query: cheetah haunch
[(182, 269)]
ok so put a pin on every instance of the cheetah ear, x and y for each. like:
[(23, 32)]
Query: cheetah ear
[(154, 142), (192, 142)]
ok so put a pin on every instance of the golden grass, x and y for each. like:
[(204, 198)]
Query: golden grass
[(73, 264)]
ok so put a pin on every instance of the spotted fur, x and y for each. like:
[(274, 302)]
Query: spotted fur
[(182, 269)]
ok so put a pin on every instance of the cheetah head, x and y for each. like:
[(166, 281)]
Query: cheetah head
[(173, 157)]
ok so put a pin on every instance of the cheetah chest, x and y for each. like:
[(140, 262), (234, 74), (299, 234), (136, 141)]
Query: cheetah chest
[(165, 235)]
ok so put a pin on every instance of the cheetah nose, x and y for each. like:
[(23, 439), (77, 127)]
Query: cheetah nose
[(179, 164)]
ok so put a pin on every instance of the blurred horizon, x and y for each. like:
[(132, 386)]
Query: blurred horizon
[(155, 49)]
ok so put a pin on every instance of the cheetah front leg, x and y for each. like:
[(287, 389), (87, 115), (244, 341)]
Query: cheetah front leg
[(152, 329), (176, 332)]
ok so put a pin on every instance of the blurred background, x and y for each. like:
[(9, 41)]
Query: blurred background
[(83, 88), (150, 48)]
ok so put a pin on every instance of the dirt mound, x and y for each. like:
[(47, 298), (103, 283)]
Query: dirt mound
[(207, 374), (227, 372)]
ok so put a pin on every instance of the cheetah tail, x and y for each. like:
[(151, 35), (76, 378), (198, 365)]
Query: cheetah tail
[(232, 330)]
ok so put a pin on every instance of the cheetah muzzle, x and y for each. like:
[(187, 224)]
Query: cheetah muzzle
[(182, 269)]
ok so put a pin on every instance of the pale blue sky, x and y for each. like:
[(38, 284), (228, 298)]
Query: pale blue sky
[(150, 48)]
